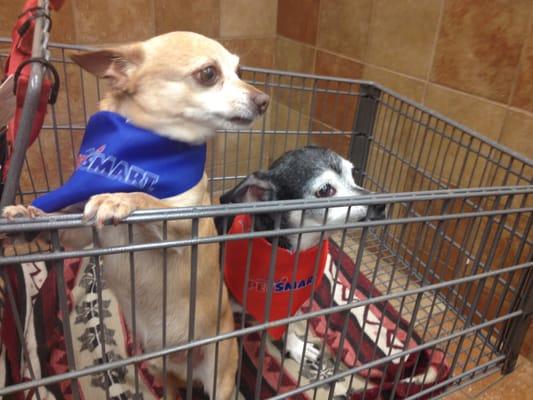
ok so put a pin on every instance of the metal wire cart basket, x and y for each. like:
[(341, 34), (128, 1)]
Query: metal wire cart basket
[(433, 298)]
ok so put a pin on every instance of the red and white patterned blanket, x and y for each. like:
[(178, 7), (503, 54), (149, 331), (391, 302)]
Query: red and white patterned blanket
[(372, 332)]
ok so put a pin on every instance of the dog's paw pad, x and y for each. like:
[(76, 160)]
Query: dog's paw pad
[(108, 207)]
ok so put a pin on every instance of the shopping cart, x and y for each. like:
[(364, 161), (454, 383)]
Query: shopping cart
[(446, 278)]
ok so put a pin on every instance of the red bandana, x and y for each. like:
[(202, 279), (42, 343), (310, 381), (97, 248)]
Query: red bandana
[(283, 288)]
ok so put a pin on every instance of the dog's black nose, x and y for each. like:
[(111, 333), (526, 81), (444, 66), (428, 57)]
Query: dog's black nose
[(261, 100), (376, 211)]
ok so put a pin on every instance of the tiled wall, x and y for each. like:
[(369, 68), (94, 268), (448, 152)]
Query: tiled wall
[(234, 22), (470, 60)]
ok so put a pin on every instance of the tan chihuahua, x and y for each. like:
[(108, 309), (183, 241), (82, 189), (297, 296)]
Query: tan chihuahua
[(183, 86)]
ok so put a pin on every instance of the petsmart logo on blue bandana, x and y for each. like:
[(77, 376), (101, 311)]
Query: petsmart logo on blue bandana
[(97, 162), (117, 156)]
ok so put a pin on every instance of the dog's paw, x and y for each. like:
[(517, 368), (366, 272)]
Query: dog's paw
[(20, 211), (299, 351), (109, 207)]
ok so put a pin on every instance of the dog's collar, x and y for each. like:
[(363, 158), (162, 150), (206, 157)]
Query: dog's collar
[(117, 156), (235, 260)]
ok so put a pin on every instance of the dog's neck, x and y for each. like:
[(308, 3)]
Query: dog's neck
[(177, 128), (265, 222)]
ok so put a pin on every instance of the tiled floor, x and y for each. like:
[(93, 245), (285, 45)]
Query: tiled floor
[(516, 385)]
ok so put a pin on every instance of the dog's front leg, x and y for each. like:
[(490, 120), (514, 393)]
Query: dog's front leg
[(115, 207), (299, 351)]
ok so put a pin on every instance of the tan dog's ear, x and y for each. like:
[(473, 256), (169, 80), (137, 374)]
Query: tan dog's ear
[(116, 65)]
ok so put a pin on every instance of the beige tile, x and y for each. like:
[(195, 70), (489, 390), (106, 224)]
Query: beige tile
[(295, 93), (524, 85), (63, 28), (479, 47), (8, 16), (298, 19), (527, 346), (402, 35), (284, 117), (201, 16), (447, 155), (396, 132), (326, 136), (292, 128), (334, 109), (475, 388), (343, 26), (253, 52), (513, 386), (408, 87), (45, 163), (456, 148), (335, 66), (113, 21), (292, 56), (247, 18), (517, 132), (480, 115), (395, 127), (457, 396), (78, 93)]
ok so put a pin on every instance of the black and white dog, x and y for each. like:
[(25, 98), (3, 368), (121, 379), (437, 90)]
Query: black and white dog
[(307, 173)]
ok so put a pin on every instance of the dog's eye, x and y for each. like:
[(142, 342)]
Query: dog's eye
[(326, 191), (207, 76)]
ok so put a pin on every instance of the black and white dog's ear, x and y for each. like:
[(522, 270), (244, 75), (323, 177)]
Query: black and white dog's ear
[(256, 187)]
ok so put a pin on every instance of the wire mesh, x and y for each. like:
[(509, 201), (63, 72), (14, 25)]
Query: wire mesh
[(453, 260)]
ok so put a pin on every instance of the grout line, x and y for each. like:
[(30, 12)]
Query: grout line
[(520, 110), (406, 76), (505, 118), (421, 80), (515, 80), (521, 58), (245, 37), (296, 41), (276, 38), (154, 18), (75, 20), (219, 33), (320, 7), (274, 51), (315, 47), (276, 19), (488, 387), (367, 44), (433, 51), (315, 56)]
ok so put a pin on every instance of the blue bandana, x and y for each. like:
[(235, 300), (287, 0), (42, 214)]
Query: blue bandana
[(116, 156)]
